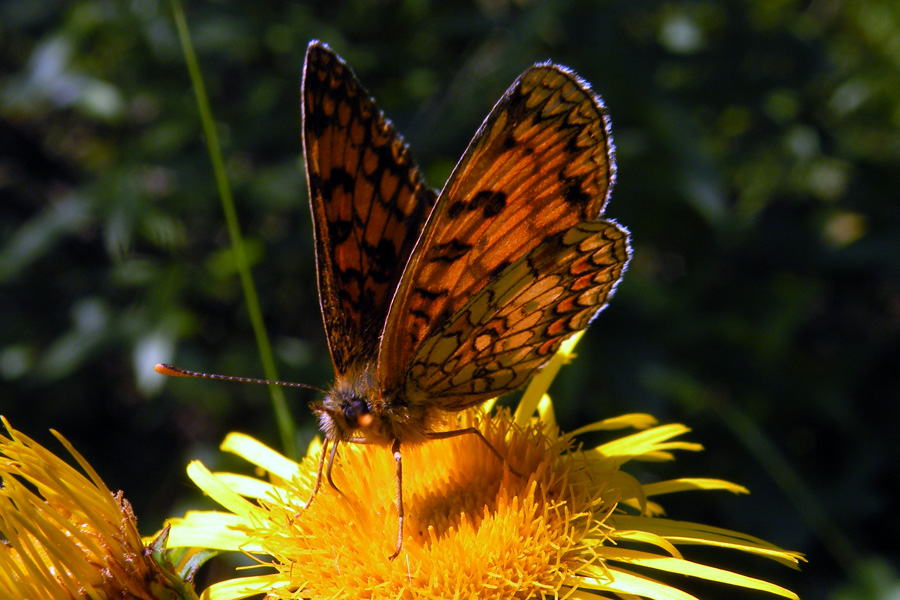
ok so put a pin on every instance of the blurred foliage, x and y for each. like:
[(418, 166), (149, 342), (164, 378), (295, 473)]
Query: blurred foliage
[(759, 158)]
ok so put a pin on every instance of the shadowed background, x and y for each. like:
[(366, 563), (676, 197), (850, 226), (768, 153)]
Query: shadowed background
[(759, 158)]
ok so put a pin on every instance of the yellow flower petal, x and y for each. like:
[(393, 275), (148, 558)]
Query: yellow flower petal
[(260, 455), (691, 569), (631, 584), (537, 389), (213, 530), (692, 484), (220, 492), (249, 487), (649, 445), (241, 588), (635, 420)]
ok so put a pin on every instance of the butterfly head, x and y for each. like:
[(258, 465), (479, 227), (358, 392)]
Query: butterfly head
[(347, 412)]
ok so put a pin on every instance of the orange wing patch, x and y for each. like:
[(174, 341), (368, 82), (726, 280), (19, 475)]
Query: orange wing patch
[(541, 163), (368, 200), (496, 341)]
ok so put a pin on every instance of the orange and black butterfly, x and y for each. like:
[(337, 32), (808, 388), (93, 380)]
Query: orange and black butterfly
[(435, 302)]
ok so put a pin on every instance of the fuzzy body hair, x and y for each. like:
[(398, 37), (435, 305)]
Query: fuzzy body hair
[(398, 416)]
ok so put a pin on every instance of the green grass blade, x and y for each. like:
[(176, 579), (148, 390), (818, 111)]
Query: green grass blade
[(282, 415)]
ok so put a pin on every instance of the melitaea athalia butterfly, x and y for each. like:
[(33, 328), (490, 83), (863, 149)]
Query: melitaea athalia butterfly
[(435, 302)]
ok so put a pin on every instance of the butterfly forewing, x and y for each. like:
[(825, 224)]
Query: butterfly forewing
[(368, 200), (541, 163)]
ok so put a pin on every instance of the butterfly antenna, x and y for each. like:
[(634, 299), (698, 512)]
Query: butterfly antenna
[(173, 371)]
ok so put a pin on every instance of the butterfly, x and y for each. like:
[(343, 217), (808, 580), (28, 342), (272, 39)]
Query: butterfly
[(433, 303)]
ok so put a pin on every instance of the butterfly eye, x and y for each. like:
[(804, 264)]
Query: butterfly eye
[(356, 412)]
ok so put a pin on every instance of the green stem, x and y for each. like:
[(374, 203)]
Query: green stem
[(282, 415)]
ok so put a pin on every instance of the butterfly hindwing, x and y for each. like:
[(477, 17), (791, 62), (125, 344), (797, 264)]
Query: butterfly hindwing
[(514, 325), (368, 200)]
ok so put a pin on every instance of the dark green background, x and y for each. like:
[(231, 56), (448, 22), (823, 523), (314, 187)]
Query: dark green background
[(759, 162)]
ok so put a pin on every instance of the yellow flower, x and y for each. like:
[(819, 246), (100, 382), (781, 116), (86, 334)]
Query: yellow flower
[(572, 525), (66, 536)]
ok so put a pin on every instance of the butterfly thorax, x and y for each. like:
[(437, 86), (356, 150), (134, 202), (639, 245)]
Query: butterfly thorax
[(357, 409)]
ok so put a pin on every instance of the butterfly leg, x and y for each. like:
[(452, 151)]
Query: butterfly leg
[(443, 435), (318, 483), (398, 499), (328, 470)]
